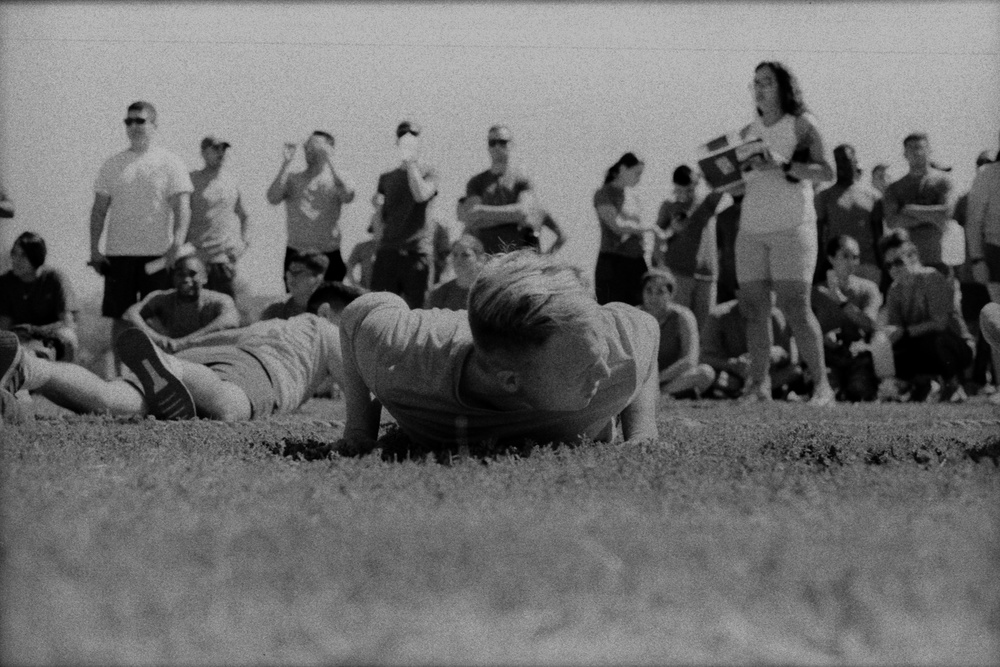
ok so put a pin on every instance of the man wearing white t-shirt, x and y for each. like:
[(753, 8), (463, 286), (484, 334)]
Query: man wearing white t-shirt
[(142, 200)]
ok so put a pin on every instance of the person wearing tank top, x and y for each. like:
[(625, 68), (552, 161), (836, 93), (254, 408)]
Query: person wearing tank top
[(776, 248)]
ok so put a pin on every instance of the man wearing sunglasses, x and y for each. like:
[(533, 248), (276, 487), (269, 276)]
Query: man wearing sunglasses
[(404, 260), (142, 204), (924, 322), (499, 206)]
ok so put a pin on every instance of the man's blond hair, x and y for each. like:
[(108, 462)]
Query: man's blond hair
[(520, 299)]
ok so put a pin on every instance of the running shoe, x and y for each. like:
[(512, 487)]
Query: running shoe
[(823, 396), (166, 396)]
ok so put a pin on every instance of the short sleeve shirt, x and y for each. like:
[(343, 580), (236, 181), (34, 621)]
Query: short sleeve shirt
[(140, 219), (493, 190), (629, 245), (678, 319), (931, 189), (180, 317), (412, 360), (313, 207), (214, 220), (691, 251), (404, 218), (849, 209), (920, 297), (859, 291), (41, 302)]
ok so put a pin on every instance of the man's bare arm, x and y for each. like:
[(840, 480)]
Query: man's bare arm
[(639, 416)]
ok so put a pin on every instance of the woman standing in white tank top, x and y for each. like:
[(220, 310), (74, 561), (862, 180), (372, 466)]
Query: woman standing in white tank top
[(776, 246)]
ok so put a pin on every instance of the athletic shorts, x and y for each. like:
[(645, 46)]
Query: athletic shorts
[(789, 254), (126, 283), (243, 369), (991, 254)]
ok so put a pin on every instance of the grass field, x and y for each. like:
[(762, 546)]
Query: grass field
[(766, 534)]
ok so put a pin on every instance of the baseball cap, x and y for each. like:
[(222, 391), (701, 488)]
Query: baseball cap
[(501, 132), (407, 126), (214, 142)]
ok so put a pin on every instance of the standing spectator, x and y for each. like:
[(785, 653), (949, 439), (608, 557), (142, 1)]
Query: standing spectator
[(362, 258), (923, 322), (467, 258), (404, 261), (681, 375), (727, 229), (37, 302), (880, 177), (847, 307), (919, 202), (983, 239), (303, 276), (218, 221), (776, 248), (143, 200), (173, 317), (850, 208), (313, 201), (724, 347), (621, 262), (690, 250), (499, 206), (6, 212)]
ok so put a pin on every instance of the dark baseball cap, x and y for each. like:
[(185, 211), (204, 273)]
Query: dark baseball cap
[(407, 126), (214, 142)]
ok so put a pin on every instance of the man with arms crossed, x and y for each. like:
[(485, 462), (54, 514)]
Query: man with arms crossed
[(533, 359), (919, 202), (143, 199), (313, 201), (499, 206)]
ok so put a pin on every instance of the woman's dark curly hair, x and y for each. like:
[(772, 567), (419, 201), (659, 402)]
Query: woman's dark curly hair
[(789, 93)]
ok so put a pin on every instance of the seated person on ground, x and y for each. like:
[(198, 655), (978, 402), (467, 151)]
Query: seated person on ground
[(467, 257), (362, 258), (847, 308), (989, 324), (533, 359), (724, 348), (37, 302), (923, 315), (681, 375), (305, 273), (173, 317), (269, 367)]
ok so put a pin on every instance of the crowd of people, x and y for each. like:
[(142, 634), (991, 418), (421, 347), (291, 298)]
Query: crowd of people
[(802, 282)]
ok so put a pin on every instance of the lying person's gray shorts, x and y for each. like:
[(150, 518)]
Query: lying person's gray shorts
[(243, 369)]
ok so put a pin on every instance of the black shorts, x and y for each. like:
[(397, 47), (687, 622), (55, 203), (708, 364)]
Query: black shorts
[(991, 255), (236, 365), (126, 283)]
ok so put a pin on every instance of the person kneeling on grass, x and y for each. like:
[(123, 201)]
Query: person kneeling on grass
[(534, 359), (681, 375), (273, 366)]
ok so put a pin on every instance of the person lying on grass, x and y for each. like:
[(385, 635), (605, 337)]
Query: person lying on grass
[(533, 359), (273, 366)]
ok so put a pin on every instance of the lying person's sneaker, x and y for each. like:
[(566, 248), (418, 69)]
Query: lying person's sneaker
[(11, 364), (166, 396)]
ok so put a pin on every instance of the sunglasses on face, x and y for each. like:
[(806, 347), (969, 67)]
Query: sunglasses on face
[(135, 121), (497, 142), (403, 134), (896, 263)]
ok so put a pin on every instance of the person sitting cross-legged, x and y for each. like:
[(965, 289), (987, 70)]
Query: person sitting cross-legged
[(724, 347), (173, 317), (304, 274), (924, 323), (467, 257), (847, 308), (533, 359), (681, 375), (37, 302), (269, 367)]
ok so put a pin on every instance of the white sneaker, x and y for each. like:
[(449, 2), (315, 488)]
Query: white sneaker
[(166, 396), (823, 396)]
